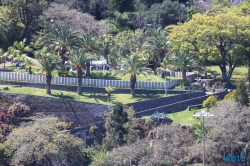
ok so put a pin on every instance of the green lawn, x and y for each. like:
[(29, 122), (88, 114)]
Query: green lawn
[(238, 72), (184, 117), (98, 74), (92, 98)]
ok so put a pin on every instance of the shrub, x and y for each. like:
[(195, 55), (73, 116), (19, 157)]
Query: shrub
[(230, 96), (209, 102), (93, 128), (241, 93)]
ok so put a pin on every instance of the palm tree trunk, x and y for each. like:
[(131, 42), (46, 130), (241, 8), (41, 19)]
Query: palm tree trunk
[(79, 83), (30, 70), (87, 69), (48, 82), (184, 76), (109, 96), (132, 84)]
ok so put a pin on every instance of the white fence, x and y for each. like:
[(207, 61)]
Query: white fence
[(92, 82)]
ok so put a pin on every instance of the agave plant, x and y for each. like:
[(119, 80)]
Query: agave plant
[(161, 118)]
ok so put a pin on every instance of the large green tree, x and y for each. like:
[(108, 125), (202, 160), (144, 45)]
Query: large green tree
[(27, 11), (213, 37), (121, 6), (79, 60), (161, 15)]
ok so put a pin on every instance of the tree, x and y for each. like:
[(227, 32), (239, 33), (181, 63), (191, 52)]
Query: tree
[(79, 60), (27, 11), (29, 63), (62, 39), (212, 37), (184, 61), (109, 89), (46, 142), (133, 67), (120, 22), (121, 6), (90, 44), (209, 102), (115, 130), (60, 14), (49, 63), (105, 42), (163, 68), (161, 15), (241, 94), (157, 46)]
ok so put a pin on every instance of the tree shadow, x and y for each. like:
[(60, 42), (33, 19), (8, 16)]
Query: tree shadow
[(62, 96)]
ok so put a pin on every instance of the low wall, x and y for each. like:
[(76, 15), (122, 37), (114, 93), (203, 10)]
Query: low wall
[(154, 103), (80, 113), (90, 89), (178, 106)]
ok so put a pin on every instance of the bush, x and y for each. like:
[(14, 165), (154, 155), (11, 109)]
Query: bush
[(209, 102), (241, 94)]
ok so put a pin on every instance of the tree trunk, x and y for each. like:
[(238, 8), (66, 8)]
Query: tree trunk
[(62, 53), (87, 69), (30, 70), (109, 96), (79, 82), (184, 76), (132, 84), (27, 34), (223, 72), (48, 82), (248, 72)]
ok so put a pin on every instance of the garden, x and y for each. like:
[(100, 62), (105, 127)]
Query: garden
[(138, 44)]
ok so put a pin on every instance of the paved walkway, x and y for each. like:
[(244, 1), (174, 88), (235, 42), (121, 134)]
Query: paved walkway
[(6, 65)]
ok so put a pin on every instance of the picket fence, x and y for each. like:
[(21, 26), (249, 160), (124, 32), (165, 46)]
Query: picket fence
[(31, 78)]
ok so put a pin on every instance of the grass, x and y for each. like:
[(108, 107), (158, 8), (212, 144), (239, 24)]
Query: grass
[(239, 72), (98, 74), (184, 117), (91, 98)]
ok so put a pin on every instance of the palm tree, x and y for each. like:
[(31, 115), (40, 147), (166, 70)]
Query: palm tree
[(133, 67), (79, 60), (48, 63), (109, 89), (62, 39), (163, 68), (158, 47), (184, 61), (91, 46), (29, 63)]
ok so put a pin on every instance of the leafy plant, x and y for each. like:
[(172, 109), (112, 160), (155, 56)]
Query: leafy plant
[(109, 89), (161, 118), (209, 102), (93, 128)]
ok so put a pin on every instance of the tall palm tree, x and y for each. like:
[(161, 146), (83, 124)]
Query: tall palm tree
[(158, 47), (89, 44), (133, 67), (184, 61), (79, 60), (61, 40), (49, 63)]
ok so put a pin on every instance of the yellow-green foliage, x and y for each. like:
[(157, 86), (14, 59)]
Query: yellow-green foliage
[(110, 89), (93, 128), (209, 102), (230, 96)]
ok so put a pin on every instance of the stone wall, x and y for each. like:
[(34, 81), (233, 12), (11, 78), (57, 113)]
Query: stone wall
[(154, 103), (80, 113), (90, 89), (178, 106)]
